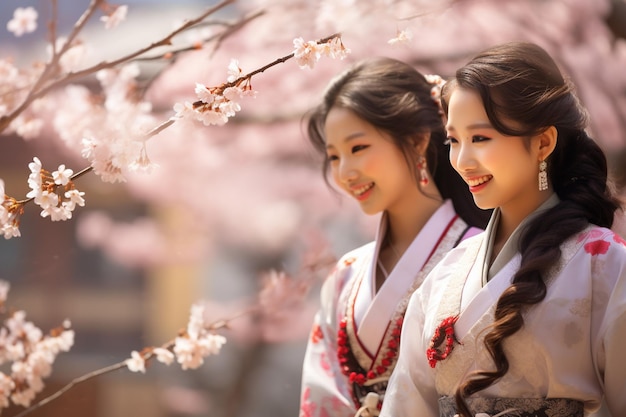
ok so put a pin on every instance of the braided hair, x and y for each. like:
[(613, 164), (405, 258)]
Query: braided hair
[(520, 82)]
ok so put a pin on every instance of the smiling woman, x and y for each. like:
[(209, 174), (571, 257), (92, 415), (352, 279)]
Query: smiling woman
[(382, 138), (536, 301)]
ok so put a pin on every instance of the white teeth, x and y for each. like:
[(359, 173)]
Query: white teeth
[(477, 181), (361, 190)]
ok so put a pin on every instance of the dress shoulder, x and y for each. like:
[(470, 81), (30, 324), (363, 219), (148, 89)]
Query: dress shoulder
[(344, 269)]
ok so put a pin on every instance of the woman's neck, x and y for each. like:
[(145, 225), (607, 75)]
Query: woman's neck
[(511, 218), (402, 228)]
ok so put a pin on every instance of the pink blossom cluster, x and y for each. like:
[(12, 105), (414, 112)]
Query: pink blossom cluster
[(54, 192), (215, 105), (308, 53), (190, 348), (30, 352), (9, 215), (113, 134)]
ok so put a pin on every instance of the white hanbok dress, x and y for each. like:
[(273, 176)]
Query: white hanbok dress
[(357, 330), (570, 347)]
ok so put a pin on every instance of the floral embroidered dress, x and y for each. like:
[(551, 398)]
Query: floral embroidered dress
[(355, 337), (568, 354)]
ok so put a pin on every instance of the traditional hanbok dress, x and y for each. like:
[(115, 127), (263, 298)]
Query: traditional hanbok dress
[(568, 354), (354, 341)]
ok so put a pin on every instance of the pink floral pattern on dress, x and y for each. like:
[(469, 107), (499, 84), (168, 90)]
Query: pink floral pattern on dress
[(316, 333), (325, 364), (307, 408), (619, 239), (597, 247), (591, 234)]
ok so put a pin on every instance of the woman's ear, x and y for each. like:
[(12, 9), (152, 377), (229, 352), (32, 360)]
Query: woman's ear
[(421, 143), (547, 142)]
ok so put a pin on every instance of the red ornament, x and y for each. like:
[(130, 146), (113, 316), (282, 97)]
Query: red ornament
[(444, 331), (350, 366)]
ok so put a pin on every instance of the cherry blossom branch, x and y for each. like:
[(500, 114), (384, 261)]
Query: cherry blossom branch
[(69, 386), (52, 67), (215, 106), (72, 178), (147, 355), (40, 88), (264, 68), (218, 37)]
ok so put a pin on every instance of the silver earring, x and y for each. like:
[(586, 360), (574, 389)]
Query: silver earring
[(543, 176)]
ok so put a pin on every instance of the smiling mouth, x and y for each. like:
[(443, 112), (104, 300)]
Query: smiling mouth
[(475, 182), (362, 189)]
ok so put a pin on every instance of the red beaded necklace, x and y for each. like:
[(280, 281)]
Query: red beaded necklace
[(351, 368), (445, 330)]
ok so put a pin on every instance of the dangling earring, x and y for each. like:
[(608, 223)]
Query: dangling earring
[(421, 165), (543, 176)]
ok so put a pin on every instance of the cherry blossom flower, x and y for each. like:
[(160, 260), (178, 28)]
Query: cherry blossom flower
[(136, 363), (24, 21), (335, 49), (74, 197), (46, 200), (115, 18), (306, 54), (163, 355), (204, 93), (31, 354), (403, 37), (6, 387), (10, 229), (34, 179), (198, 342), (63, 175), (43, 191), (234, 71)]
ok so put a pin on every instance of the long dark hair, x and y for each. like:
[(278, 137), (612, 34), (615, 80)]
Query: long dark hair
[(524, 93), (395, 98)]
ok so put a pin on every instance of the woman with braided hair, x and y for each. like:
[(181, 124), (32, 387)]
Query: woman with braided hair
[(528, 318), (381, 135)]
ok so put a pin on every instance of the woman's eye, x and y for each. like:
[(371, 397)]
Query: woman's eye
[(332, 157), (358, 148), (449, 140), (479, 138)]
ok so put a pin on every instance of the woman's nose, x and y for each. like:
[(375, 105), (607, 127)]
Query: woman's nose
[(347, 171), (462, 158)]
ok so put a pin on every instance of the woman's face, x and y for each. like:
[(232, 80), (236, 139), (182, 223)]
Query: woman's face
[(501, 171), (365, 162)]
